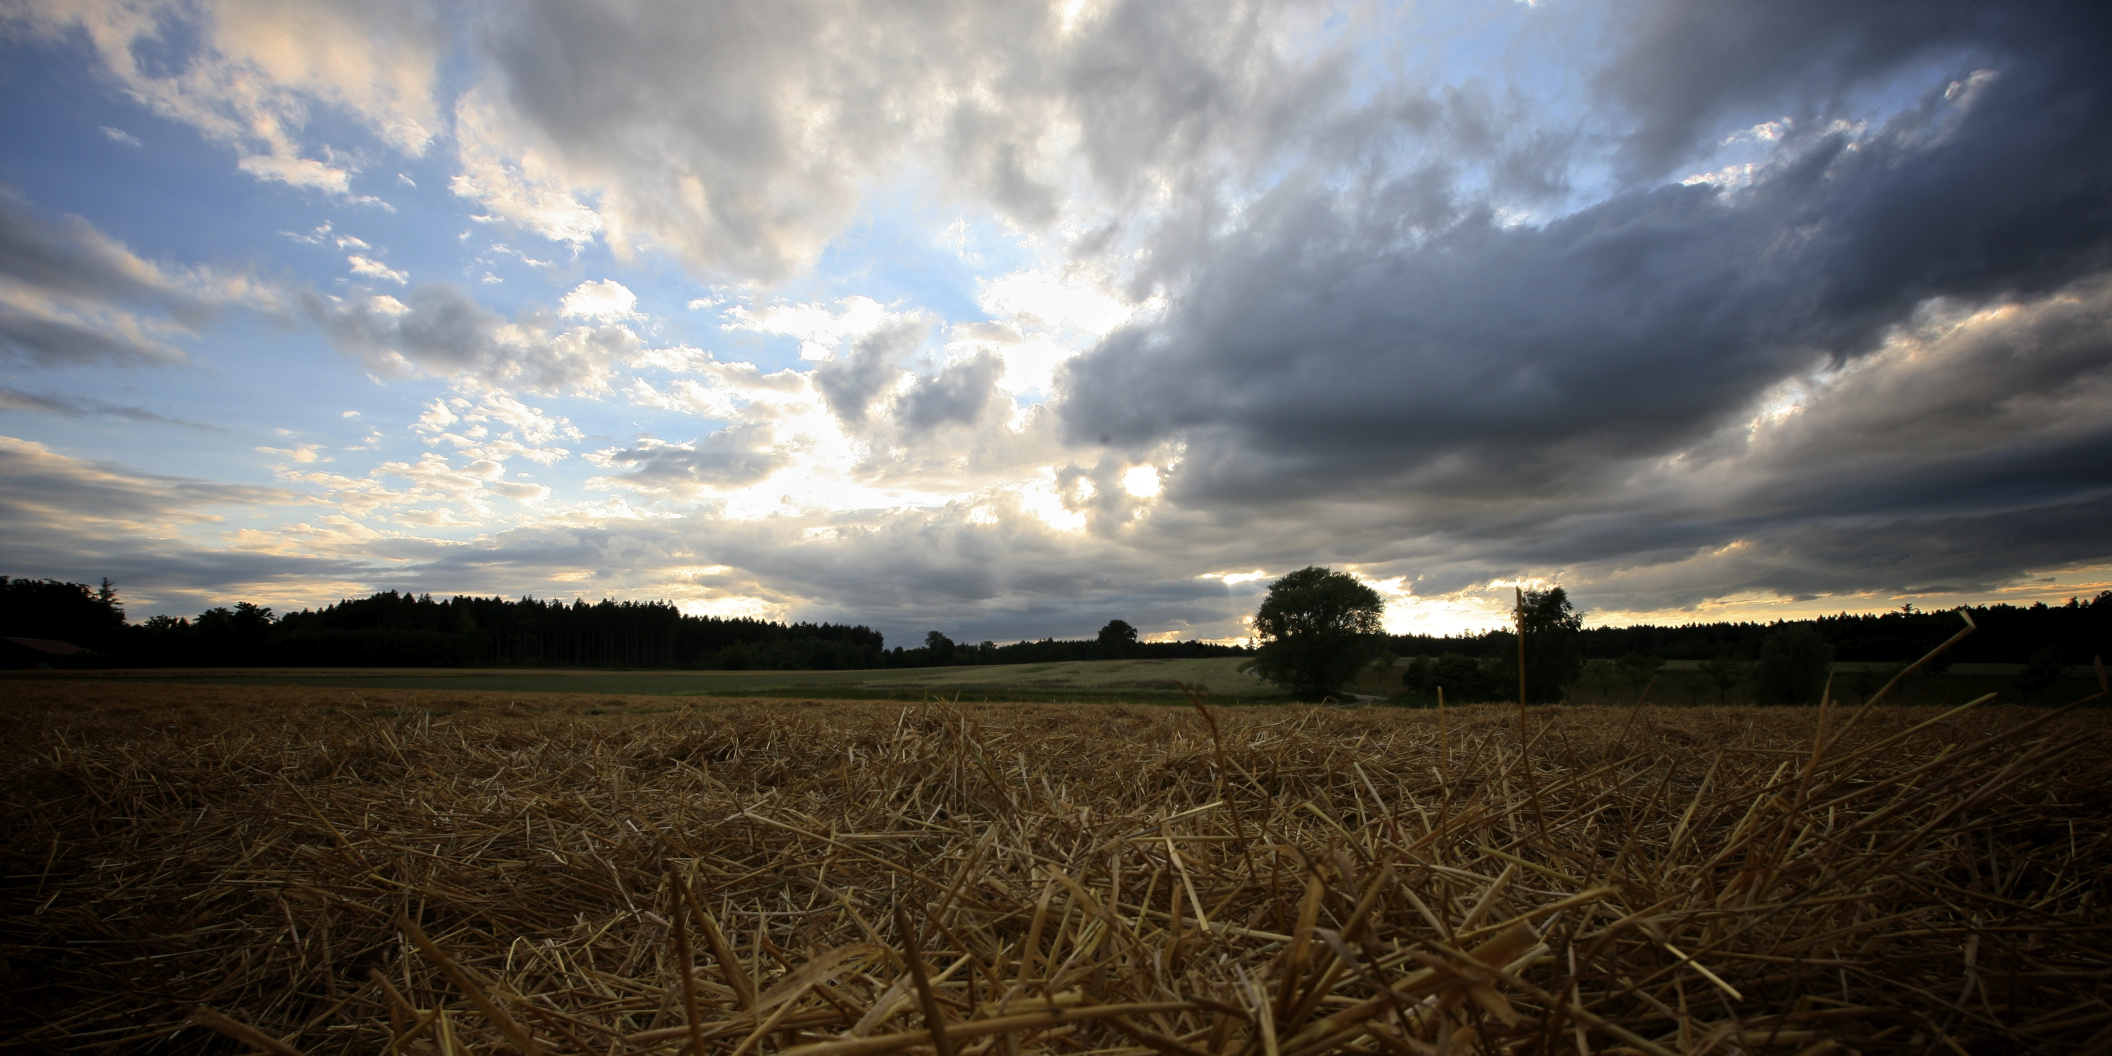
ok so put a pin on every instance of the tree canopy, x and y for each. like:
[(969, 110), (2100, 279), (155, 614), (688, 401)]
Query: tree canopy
[(1317, 628), (1554, 655), (1118, 638)]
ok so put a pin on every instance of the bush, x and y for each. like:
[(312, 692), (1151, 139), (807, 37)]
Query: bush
[(1464, 679), (2040, 673)]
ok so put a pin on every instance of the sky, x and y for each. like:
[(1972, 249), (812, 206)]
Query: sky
[(1007, 319)]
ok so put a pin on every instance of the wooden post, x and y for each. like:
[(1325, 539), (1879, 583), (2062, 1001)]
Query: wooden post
[(1519, 614)]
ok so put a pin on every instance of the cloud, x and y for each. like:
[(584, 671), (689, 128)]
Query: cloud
[(297, 172), (255, 67), (1747, 301), (820, 331), (606, 301), (428, 492), (437, 329), (85, 519), (960, 393), (369, 268), (730, 458), (497, 427), (1683, 70), (83, 406), (516, 180), (872, 368), (119, 135), (71, 295), (743, 139), (1469, 398)]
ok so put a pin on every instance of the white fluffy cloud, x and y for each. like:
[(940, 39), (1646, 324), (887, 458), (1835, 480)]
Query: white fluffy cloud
[(605, 301)]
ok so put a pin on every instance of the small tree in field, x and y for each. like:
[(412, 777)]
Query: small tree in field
[(1318, 628)]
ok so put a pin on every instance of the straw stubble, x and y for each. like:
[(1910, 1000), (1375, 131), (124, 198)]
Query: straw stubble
[(866, 879)]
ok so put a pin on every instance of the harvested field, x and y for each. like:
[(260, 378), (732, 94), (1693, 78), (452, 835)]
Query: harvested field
[(238, 869)]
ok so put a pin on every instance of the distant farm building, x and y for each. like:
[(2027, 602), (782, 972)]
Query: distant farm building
[(40, 652)]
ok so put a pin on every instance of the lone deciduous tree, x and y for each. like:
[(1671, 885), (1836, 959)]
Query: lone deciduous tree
[(940, 647), (1317, 628), (1118, 639), (1554, 649)]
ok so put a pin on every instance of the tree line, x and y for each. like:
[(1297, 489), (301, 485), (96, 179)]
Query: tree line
[(1319, 633), (392, 629), (2008, 634)]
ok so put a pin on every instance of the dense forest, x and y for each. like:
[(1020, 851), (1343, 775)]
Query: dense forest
[(392, 629)]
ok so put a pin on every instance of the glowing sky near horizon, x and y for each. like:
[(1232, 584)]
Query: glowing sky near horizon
[(1007, 319)]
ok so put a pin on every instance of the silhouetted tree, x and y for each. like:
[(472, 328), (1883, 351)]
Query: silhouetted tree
[(1118, 638), (1554, 653), (69, 612), (1318, 628), (940, 647), (234, 636)]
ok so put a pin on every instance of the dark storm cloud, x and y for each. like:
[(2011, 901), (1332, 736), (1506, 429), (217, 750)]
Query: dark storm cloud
[(1518, 387), (1311, 341), (1686, 68)]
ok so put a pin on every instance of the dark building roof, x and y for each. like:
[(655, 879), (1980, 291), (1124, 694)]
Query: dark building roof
[(47, 645)]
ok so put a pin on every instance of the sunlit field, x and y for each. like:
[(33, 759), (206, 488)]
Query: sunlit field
[(311, 869)]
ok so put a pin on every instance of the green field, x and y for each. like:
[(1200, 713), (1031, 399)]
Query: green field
[(1140, 680)]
